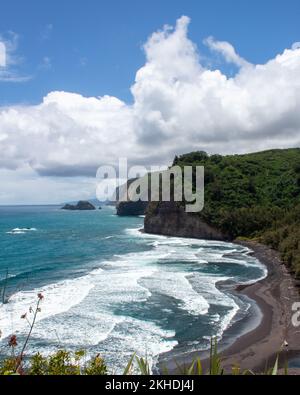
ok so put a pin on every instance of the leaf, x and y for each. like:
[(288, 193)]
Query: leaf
[(275, 368), (129, 366), (191, 369), (199, 367)]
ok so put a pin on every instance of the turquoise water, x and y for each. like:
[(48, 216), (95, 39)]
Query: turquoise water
[(111, 289)]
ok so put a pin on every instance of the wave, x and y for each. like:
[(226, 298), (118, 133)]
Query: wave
[(177, 286), (102, 309), (8, 276), (59, 297), (24, 230), (19, 231), (205, 291), (91, 310), (207, 287)]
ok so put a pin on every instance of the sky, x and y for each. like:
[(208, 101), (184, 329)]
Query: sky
[(84, 83)]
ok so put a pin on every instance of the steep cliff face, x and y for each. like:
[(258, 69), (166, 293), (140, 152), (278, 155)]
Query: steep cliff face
[(131, 208), (166, 218), (128, 208)]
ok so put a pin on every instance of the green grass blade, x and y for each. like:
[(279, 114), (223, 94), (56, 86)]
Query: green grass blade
[(275, 368), (129, 366), (191, 369), (199, 369)]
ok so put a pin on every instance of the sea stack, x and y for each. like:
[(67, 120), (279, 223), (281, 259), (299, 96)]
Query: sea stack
[(80, 206)]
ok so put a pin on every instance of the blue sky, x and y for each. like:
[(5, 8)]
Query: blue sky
[(84, 83), (93, 47)]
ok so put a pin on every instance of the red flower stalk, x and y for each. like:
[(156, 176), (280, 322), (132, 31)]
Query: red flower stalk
[(40, 296), (13, 341)]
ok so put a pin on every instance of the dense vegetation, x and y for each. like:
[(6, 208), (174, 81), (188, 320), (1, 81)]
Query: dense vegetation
[(255, 196), (284, 236), (62, 363)]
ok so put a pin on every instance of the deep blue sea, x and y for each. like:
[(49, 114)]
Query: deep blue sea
[(110, 289)]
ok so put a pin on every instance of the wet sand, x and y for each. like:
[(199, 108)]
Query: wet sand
[(259, 347)]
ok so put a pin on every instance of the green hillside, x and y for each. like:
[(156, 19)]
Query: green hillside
[(254, 195)]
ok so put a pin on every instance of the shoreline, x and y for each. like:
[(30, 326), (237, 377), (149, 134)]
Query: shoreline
[(257, 348)]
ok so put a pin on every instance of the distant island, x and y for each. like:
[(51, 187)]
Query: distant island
[(80, 206)]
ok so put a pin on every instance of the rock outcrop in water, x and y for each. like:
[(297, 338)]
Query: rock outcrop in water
[(80, 206), (167, 218)]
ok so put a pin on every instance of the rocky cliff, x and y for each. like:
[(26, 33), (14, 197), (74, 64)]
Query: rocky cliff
[(128, 208), (131, 208), (167, 218)]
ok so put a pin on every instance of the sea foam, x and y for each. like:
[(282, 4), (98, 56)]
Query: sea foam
[(99, 310)]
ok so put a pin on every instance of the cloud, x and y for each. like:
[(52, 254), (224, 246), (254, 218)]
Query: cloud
[(296, 45), (46, 32), (2, 54), (178, 106), (227, 51), (23, 186), (46, 63), (67, 134), (9, 61), (83, 61)]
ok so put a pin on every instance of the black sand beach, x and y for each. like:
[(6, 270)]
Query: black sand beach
[(275, 333)]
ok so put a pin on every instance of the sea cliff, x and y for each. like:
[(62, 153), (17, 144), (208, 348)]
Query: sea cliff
[(169, 219), (252, 196), (131, 208)]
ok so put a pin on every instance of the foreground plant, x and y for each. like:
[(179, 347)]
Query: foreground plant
[(14, 365), (68, 363), (64, 363), (196, 369)]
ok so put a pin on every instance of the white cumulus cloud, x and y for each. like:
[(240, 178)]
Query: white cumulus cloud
[(227, 51), (179, 106), (67, 134), (9, 60)]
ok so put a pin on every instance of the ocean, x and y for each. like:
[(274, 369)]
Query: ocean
[(110, 289)]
